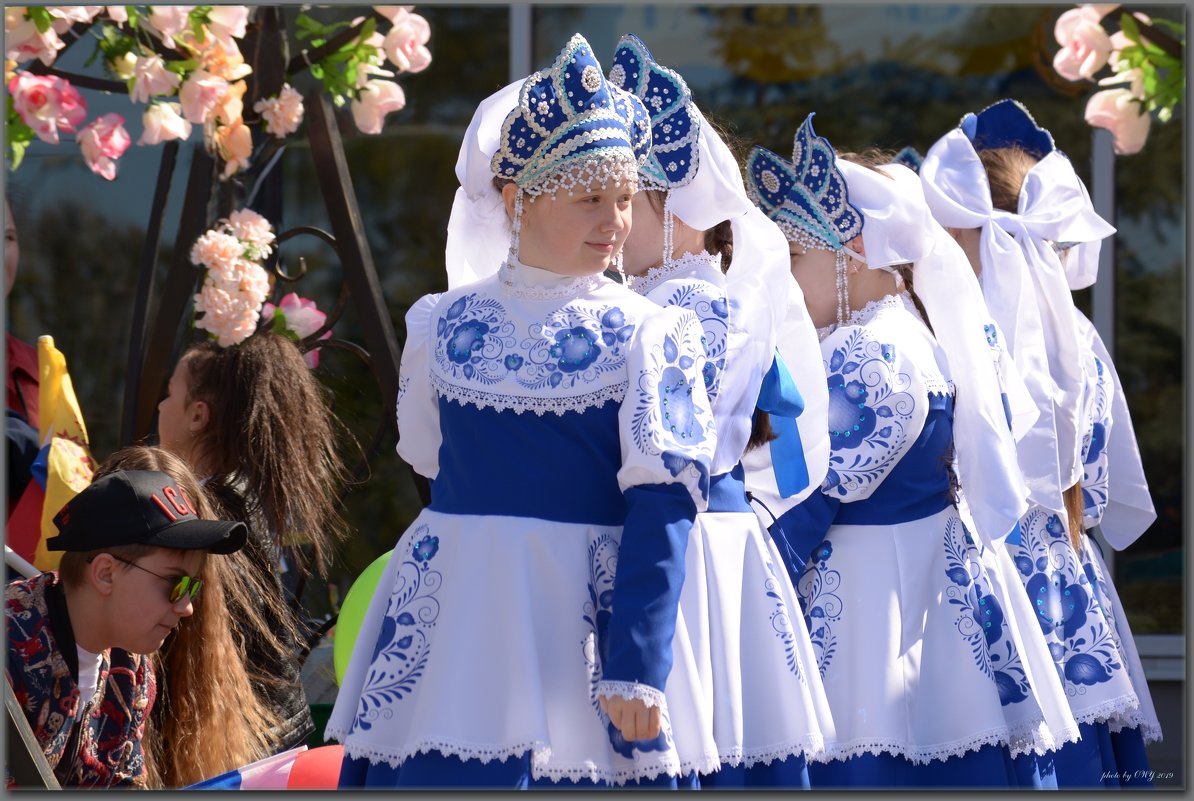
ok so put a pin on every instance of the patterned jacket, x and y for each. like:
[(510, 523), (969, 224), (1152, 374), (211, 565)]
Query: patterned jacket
[(105, 751)]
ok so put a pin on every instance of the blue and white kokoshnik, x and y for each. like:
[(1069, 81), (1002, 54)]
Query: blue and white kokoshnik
[(675, 125), (569, 116), (806, 197)]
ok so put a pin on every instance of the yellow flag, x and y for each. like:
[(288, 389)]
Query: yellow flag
[(69, 466)]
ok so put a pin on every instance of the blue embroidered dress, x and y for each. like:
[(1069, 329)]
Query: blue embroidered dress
[(1079, 611), (566, 429), (768, 702), (916, 643)]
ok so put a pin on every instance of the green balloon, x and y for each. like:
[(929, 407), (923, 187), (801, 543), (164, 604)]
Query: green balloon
[(352, 614)]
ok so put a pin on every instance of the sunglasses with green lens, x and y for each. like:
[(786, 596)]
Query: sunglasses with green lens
[(182, 585)]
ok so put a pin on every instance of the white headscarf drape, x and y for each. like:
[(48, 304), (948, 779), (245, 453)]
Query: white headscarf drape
[(898, 228), (478, 228), (1027, 290)]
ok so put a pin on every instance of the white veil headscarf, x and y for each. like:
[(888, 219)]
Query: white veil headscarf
[(898, 228), (1026, 287), (478, 228)]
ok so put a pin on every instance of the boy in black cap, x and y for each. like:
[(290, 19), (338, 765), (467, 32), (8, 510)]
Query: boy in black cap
[(79, 638)]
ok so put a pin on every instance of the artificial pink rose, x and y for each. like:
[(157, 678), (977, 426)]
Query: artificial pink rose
[(302, 317), (229, 108), (374, 101), (150, 77), (47, 104), (169, 21), (118, 14), (235, 144), (1085, 46), (228, 21), (102, 142), (1119, 112), (199, 94), (73, 14), (282, 114), (23, 41), (393, 13), (163, 122), (405, 44)]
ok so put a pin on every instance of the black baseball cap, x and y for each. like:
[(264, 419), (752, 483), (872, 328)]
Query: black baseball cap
[(140, 507)]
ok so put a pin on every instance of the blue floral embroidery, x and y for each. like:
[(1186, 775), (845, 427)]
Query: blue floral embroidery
[(869, 408), (781, 621), (822, 607), (575, 348), (596, 613), (576, 345), (667, 421), (981, 619), (466, 340), (1082, 640), (403, 645), (847, 428), (713, 314), (992, 337)]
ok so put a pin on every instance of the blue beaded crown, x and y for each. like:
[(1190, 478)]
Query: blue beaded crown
[(806, 197), (572, 128), (675, 126), (1007, 123)]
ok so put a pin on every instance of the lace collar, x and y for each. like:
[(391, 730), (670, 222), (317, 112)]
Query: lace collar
[(687, 264), (520, 280), (899, 300)]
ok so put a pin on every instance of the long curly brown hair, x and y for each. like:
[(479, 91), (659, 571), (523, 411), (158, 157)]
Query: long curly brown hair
[(207, 718)]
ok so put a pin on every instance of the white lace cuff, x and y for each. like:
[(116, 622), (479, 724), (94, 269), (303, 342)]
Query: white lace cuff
[(632, 691)]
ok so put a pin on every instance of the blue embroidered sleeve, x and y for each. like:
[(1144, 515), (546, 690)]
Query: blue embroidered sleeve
[(877, 407), (647, 585), (801, 529), (419, 435), (667, 443)]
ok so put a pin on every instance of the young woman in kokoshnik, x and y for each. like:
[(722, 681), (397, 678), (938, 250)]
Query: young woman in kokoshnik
[(1014, 202), (527, 630), (919, 638), (691, 217)]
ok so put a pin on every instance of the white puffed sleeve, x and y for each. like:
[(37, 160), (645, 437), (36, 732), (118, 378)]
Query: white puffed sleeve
[(1127, 509), (419, 435), (666, 423), (878, 404)]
